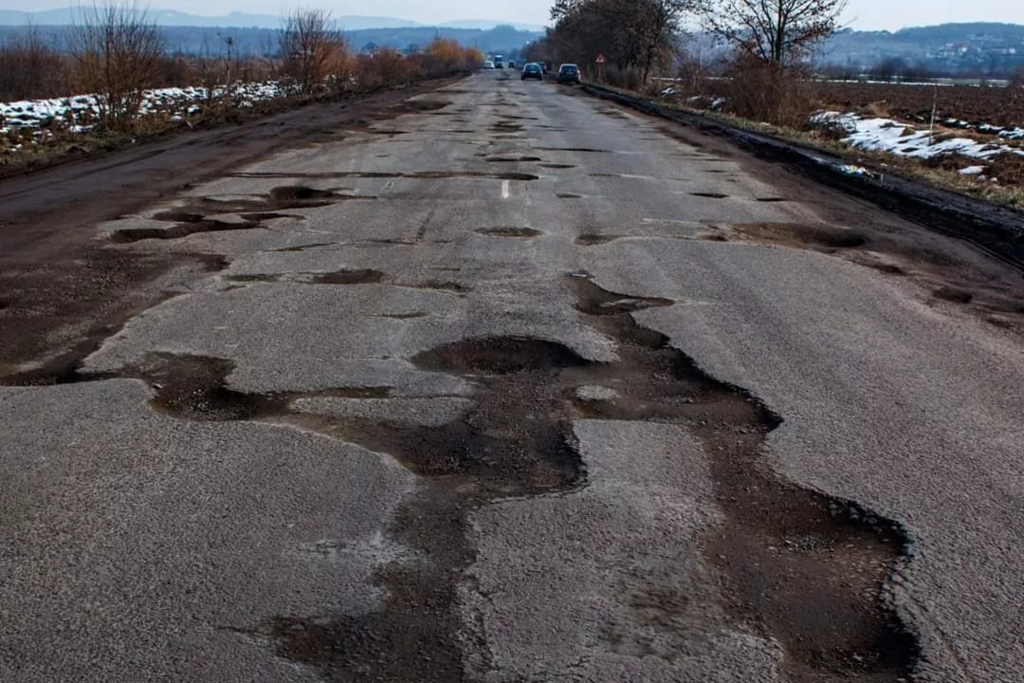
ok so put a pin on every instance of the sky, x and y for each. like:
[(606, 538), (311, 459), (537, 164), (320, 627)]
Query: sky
[(860, 14)]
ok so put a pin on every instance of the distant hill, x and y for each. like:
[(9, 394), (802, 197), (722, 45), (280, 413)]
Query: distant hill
[(986, 49), (484, 24), (163, 17), (203, 40)]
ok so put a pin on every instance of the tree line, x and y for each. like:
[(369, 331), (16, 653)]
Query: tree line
[(116, 51), (768, 41)]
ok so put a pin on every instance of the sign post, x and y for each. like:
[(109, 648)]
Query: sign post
[(600, 61)]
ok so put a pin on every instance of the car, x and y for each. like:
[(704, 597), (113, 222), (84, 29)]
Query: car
[(532, 71), (488, 65), (568, 73), (511, 64)]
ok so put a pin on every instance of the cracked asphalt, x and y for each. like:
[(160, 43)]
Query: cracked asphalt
[(509, 385)]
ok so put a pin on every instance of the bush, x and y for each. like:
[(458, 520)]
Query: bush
[(383, 68), (30, 68), (628, 78), (765, 91), (117, 52)]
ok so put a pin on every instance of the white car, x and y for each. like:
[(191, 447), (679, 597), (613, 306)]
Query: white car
[(488, 65)]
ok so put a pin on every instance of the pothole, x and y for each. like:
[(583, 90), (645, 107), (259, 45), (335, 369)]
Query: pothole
[(568, 195), (425, 105), (178, 231), (803, 568), (510, 232), (558, 166), (499, 356), (800, 234), (709, 195), (192, 387), (260, 216), (954, 295), (799, 567), (591, 239), (511, 159), (301, 193), (404, 316), (584, 150), (445, 286), (350, 277)]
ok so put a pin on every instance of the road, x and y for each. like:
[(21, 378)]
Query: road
[(514, 385)]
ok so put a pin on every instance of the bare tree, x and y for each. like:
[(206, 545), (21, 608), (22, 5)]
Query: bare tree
[(773, 31), (312, 49), (117, 50)]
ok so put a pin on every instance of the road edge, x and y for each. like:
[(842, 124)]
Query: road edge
[(997, 230)]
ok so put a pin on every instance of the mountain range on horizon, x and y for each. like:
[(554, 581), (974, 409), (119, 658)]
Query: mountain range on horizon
[(162, 17)]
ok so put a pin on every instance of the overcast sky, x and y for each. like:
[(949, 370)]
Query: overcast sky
[(862, 14)]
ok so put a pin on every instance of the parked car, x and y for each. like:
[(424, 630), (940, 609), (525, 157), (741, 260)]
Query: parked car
[(568, 73), (488, 65), (532, 70)]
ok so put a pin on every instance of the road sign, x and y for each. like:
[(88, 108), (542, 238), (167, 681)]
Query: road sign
[(600, 59)]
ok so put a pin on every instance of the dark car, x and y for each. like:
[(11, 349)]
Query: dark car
[(532, 71), (568, 73)]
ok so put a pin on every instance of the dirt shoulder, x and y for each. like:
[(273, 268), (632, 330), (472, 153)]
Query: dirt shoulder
[(62, 292)]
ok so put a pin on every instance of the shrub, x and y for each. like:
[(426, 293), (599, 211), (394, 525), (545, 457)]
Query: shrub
[(768, 92), (30, 68), (116, 51)]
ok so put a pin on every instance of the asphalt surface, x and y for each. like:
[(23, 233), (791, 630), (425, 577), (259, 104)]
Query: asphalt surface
[(520, 386)]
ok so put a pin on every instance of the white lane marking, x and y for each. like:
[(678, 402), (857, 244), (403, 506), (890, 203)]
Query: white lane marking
[(505, 186)]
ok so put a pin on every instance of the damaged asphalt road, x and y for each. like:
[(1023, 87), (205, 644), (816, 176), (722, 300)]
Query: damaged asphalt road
[(510, 385)]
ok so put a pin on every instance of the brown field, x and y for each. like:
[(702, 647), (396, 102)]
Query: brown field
[(975, 105)]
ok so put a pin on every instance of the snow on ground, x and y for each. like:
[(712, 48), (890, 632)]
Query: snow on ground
[(901, 139), (76, 113)]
